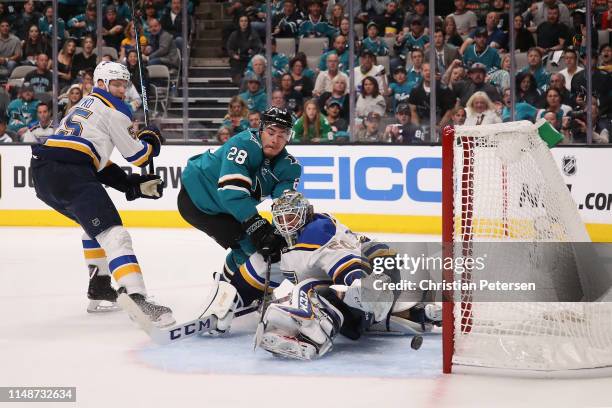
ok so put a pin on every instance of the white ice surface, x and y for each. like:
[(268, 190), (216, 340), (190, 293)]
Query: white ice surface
[(47, 338)]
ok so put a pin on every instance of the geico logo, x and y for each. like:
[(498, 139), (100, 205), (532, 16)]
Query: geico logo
[(598, 201), (345, 173)]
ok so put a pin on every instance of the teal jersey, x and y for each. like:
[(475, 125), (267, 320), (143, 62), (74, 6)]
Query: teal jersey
[(377, 46), (233, 179)]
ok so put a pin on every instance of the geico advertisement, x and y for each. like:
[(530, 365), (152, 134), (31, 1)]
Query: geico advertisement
[(342, 179), (350, 179)]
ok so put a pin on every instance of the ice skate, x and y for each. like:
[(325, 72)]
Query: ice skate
[(158, 315), (101, 294)]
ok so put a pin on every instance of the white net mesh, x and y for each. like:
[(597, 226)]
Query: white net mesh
[(507, 189)]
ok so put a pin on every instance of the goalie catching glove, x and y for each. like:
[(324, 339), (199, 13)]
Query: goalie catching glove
[(143, 186), (152, 135)]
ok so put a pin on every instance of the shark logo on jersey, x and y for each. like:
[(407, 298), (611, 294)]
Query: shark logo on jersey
[(255, 140)]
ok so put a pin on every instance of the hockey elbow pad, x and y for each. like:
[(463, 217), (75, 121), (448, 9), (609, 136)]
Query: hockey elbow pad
[(152, 135)]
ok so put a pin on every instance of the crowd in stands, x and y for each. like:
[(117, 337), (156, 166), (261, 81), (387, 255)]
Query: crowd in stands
[(392, 89), (26, 36)]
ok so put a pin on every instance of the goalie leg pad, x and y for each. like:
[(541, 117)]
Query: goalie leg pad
[(304, 328)]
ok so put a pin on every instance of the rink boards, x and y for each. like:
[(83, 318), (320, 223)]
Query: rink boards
[(370, 188)]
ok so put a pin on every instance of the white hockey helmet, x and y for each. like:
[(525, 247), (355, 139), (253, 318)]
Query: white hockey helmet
[(290, 212), (108, 70)]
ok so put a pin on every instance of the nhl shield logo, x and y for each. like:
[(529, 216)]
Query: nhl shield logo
[(569, 165)]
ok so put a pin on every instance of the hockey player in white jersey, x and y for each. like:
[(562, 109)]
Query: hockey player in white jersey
[(330, 267), (70, 170)]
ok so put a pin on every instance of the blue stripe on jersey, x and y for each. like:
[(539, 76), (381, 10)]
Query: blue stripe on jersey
[(319, 231), (374, 248), (78, 140), (345, 265), (141, 152), (90, 244), (251, 270), (122, 260), (115, 102)]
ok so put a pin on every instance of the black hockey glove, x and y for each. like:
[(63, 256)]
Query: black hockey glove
[(147, 186), (262, 234), (152, 135)]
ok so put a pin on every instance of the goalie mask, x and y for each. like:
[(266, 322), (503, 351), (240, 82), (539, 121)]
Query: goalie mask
[(290, 212)]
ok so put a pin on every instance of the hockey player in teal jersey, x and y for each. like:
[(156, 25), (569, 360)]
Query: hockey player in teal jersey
[(221, 190)]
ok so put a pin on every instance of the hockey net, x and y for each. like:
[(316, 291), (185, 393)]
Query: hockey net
[(501, 188)]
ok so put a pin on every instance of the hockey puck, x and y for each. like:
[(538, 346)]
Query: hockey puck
[(416, 342)]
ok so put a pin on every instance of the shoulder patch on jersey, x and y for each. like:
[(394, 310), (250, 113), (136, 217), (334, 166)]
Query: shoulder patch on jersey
[(255, 139), (317, 233), (34, 125)]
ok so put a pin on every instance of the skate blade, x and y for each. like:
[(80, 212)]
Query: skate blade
[(164, 320), (102, 306), (287, 347)]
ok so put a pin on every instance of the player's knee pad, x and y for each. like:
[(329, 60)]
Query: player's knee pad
[(115, 240), (355, 321)]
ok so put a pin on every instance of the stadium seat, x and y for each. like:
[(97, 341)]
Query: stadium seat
[(359, 31), (313, 46), (384, 61), (603, 36), (286, 46), (313, 62), (390, 42), (46, 97), (159, 81), (19, 73), (520, 60), (110, 51)]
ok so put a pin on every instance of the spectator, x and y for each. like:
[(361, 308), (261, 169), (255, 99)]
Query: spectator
[(341, 50), (69, 99), (369, 99), (445, 53), (373, 42), (278, 99), (374, 8), (419, 101), (338, 93), (551, 118), (241, 46), (501, 77), (557, 81), (553, 104), (399, 90), (575, 129), (420, 12), (325, 78), (571, 67), (40, 79), (534, 67), (358, 13), (84, 24), (499, 7), (4, 136), (113, 27), (293, 99), (538, 13), (129, 42), (254, 120), (223, 134), (236, 118), (480, 110), (133, 99), (45, 24), (34, 45), (64, 63), (257, 65), (131, 62), (345, 29), (496, 38), (255, 97), (10, 50), (40, 129), (527, 89), (480, 52), (123, 10), (416, 38), (465, 20), (85, 59), (150, 14), (403, 132), (26, 19), (451, 36), (301, 83), (415, 72), (287, 23), (390, 22), (454, 74), (605, 53), (308, 73), (337, 123), (552, 34), (22, 111), (475, 82), (602, 87), (312, 127), (522, 110), (458, 116), (523, 37), (172, 22), (315, 25), (371, 130), (280, 62), (336, 15), (368, 68), (604, 21), (87, 81)]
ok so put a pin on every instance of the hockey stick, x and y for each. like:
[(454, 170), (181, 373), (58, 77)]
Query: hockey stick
[(260, 326), (145, 104)]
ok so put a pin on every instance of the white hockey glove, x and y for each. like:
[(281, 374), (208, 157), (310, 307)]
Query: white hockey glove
[(304, 328), (144, 186), (362, 295)]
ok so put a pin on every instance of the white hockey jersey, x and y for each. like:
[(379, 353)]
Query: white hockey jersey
[(92, 129), (325, 250)]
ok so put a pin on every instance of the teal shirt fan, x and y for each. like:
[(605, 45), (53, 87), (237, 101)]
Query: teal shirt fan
[(221, 191)]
